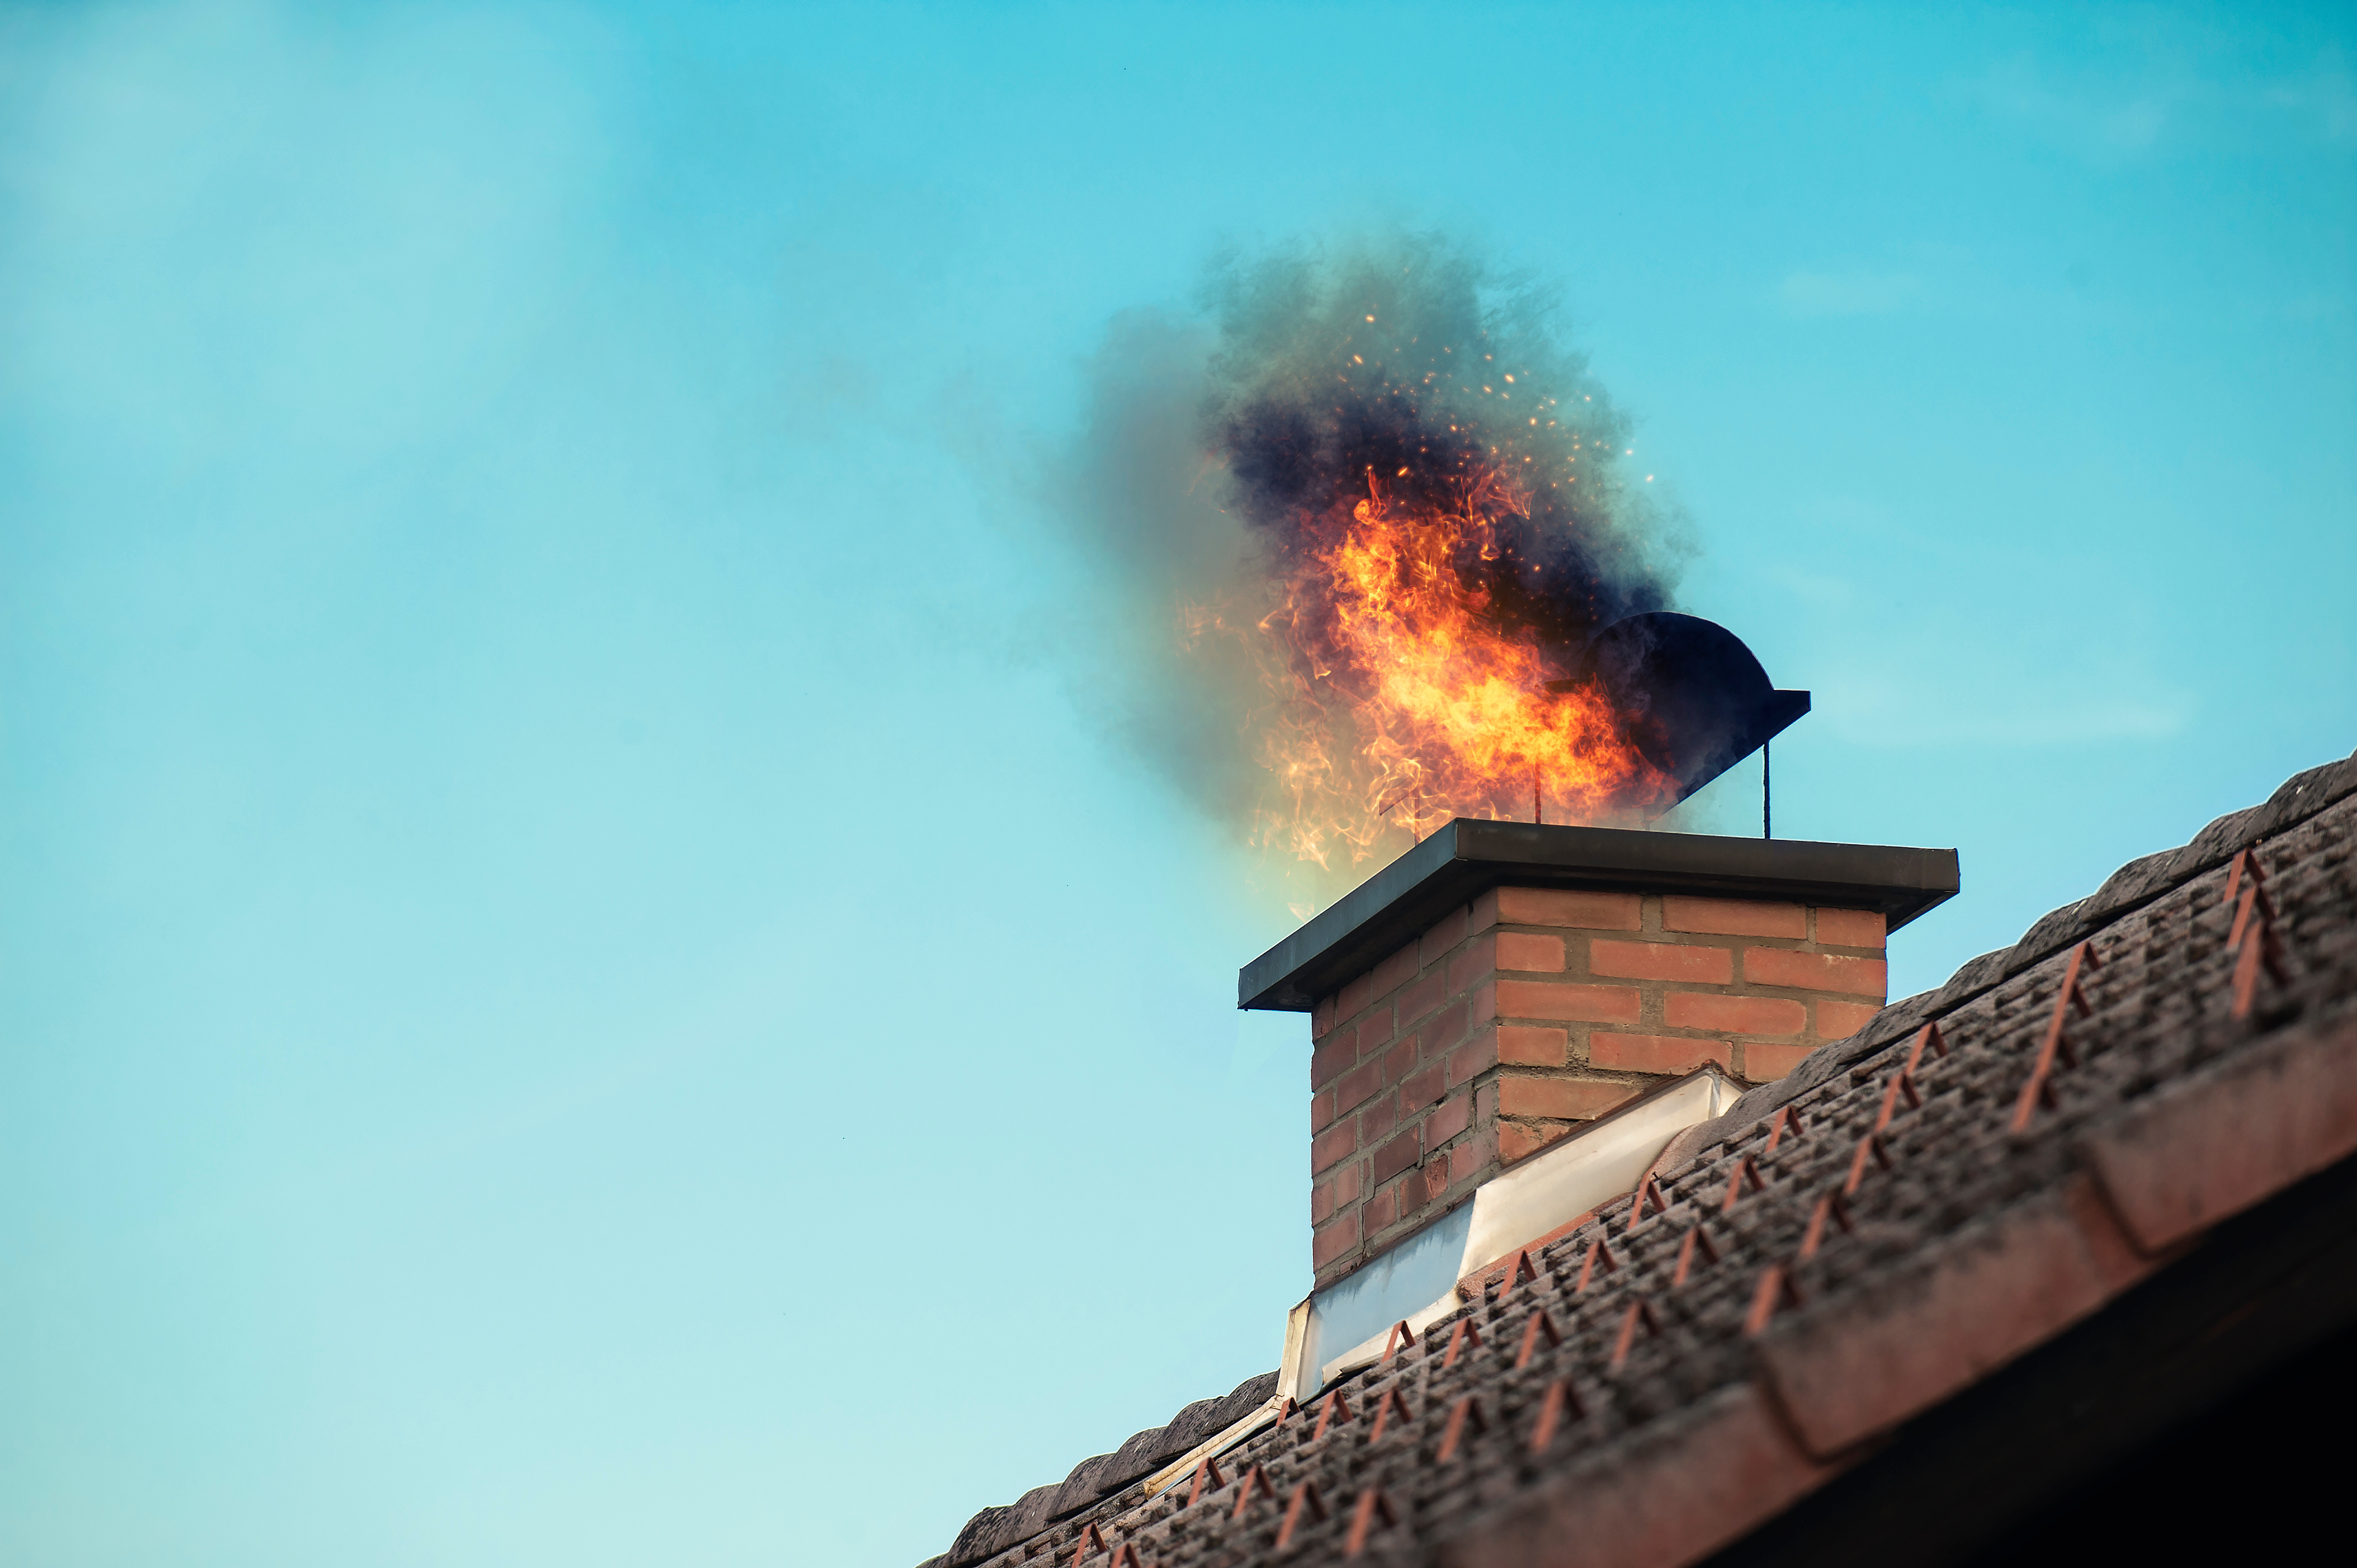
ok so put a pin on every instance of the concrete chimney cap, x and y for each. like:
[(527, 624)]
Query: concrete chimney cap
[(1469, 857)]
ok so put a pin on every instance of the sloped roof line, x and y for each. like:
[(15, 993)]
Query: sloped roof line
[(2126, 890), (1711, 1371)]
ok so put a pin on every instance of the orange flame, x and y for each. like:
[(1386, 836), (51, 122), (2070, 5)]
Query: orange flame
[(1398, 699)]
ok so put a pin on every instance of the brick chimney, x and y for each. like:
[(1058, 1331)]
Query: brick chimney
[(1504, 984)]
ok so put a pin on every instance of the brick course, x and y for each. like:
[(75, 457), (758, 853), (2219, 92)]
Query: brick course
[(1523, 950), (1533, 1097), (1779, 1015), (1814, 970), (1850, 929), (1662, 960), (1671, 1054), (1732, 916), (1519, 1017), (1575, 1004)]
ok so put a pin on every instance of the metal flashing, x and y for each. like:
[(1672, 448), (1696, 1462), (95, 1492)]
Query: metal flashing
[(1469, 857), (1348, 1324)]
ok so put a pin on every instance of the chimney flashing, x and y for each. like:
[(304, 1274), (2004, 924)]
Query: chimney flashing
[(1469, 857)]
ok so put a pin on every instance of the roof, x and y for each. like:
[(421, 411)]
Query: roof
[(1469, 857), (1964, 1214)]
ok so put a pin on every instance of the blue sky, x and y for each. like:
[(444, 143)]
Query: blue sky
[(580, 979)]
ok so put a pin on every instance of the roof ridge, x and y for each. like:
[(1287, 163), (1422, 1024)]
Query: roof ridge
[(2126, 890)]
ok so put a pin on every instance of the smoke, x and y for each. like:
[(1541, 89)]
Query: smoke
[(1399, 363), (1226, 449)]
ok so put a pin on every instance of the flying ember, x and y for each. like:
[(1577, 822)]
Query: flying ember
[(1433, 485)]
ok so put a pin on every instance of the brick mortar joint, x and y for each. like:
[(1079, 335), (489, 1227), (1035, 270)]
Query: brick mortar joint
[(1651, 934), (1710, 987), (1584, 1074)]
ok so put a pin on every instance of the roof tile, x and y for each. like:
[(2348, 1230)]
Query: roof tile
[(1867, 1359), (2215, 1142), (1689, 1485), (1968, 1243)]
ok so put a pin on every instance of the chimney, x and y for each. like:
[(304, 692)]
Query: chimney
[(1502, 986)]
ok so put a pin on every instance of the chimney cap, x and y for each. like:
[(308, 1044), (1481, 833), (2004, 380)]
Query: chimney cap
[(1469, 857)]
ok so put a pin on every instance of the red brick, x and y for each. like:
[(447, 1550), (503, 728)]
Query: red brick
[(1321, 1114), (1425, 996), (1562, 1099), (1527, 1045), (1735, 1015), (1474, 1058), (1734, 916), (1816, 970), (1473, 964), (1523, 950), (1395, 971), (1321, 1018), (1563, 906), (1322, 1204), (1337, 1241), (1399, 1060), (1578, 1003), (1446, 934), (1454, 1116), (1840, 1020), (1345, 1183), (1357, 1085), (1330, 1060), (1447, 1027), (1485, 1103), (1470, 1158), (1662, 960), (1434, 1176), (1888, 1349), (1336, 1142), (1517, 1140), (1481, 1005), (1375, 1031), (2211, 1145), (1762, 1062), (1423, 1087), (1394, 1203), (1675, 1490), (1396, 1156), (1656, 1053), (1850, 927), (1377, 1121), (1355, 996)]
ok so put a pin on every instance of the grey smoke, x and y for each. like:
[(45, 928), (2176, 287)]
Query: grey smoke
[(1219, 440)]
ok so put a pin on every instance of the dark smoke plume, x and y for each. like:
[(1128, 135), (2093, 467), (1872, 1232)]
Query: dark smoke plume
[(1222, 446), (1401, 360)]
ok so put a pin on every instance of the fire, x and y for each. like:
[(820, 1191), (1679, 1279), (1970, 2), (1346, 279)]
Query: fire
[(1402, 696), (1434, 525)]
